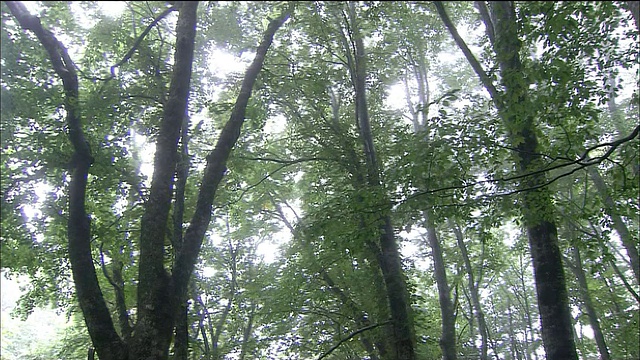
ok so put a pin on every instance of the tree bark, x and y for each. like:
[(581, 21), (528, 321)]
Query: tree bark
[(181, 341), (594, 320), (404, 340), (473, 289), (448, 338), (158, 293), (101, 329), (158, 304), (537, 208)]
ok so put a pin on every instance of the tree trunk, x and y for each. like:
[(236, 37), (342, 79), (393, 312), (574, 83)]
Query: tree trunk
[(514, 348), (618, 224), (246, 334), (419, 115), (448, 338), (473, 289), (215, 336), (181, 341), (594, 321), (404, 340), (537, 207), (159, 294), (360, 317)]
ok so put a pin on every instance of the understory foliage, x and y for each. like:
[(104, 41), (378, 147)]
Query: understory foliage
[(293, 263)]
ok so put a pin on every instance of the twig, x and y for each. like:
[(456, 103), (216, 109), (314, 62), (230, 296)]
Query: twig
[(350, 337)]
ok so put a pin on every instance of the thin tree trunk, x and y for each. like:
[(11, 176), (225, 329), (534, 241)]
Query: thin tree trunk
[(537, 207), (475, 298), (419, 115), (594, 320), (448, 338), (619, 225), (523, 300), (361, 318), (513, 340), (181, 341), (215, 336), (246, 334)]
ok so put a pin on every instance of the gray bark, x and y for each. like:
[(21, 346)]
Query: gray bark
[(537, 207)]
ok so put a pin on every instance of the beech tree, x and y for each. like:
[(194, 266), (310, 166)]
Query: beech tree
[(159, 292), (348, 180)]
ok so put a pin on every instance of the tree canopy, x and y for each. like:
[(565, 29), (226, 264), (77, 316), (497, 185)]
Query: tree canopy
[(323, 180)]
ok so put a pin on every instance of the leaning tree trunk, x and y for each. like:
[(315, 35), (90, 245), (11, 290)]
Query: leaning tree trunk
[(583, 287), (404, 340), (537, 207), (361, 318)]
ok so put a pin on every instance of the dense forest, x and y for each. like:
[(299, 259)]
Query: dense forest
[(323, 180)]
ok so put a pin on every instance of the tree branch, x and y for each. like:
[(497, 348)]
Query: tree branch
[(350, 336), (217, 160), (140, 38), (580, 161), (484, 78)]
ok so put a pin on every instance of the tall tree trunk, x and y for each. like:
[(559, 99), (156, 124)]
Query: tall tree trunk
[(618, 224), (372, 252), (404, 341), (246, 334), (361, 318), (419, 115), (215, 336), (513, 345), (448, 338), (529, 331), (158, 293), (181, 341), (158, 306), (473, 289), (537, 207)]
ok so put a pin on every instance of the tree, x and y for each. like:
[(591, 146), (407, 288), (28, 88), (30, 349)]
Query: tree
[(379, 201), (159, 294)]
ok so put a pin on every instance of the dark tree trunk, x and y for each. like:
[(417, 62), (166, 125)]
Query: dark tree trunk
[(105, 339), (537, 208), (404, 340), (181, 341), (159, 295), (158, 302)]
